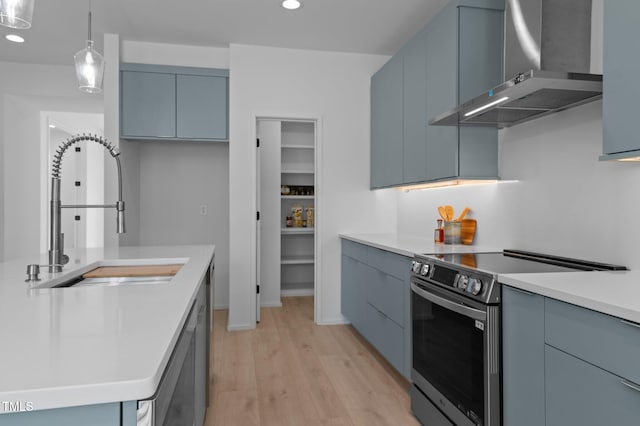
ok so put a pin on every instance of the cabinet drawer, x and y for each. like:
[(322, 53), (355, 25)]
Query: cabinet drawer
[(386, 336), (597, 338), (355, 251), (390, 263), (578, 393), (386, 293)]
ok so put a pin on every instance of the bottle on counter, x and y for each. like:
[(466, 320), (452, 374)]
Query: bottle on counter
[(438, 236)]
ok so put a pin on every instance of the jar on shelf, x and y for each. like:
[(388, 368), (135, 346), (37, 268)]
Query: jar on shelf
[(296, 213), (284, 190), (289, 221), (309, 213)]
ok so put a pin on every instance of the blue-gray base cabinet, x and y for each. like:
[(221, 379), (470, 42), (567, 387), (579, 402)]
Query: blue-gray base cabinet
[(375, 298), (564, 365), (456, 56), (620, 88), (114, 414), (175, 103)]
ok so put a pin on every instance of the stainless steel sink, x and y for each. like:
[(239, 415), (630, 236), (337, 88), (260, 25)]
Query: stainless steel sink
[(114, 281)]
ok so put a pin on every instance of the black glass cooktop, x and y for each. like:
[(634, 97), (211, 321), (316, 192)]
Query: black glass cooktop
[(517, 262)]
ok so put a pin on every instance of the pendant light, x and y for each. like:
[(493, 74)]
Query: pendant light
[(89, 66), (291, 4), (16, 13)]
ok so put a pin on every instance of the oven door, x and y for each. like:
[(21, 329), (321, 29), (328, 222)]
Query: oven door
[(449, 347)]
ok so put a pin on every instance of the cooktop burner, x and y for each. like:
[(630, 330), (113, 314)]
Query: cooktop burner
[(518, 261), (475, 274)]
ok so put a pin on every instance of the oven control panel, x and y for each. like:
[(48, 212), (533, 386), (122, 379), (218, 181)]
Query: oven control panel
[(460, 280), (420, 268), (469, 284)]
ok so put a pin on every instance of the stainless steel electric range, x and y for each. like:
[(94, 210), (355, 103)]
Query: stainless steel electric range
[(456, 331)]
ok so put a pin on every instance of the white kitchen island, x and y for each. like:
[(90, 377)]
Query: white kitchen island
[(91, 346)]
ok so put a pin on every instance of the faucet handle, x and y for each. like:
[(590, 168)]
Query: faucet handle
[(32, 272)]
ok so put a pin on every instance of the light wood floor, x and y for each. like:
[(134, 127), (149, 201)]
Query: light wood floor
[(290, 371)]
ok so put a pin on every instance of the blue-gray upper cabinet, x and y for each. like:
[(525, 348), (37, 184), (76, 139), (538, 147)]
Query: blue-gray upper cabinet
[(620, 88), (164, 102), (414, 146), (464, 59), (147, 104), (386, 124), (456, 56)]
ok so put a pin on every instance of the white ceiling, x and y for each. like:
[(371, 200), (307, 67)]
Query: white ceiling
[(364, 26)]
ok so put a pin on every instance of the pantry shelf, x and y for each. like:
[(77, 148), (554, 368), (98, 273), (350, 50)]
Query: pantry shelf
[(297, 231), (297, 260)]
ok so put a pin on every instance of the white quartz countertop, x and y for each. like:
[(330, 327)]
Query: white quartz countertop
[(63, 347), (409, 246), (615, 293)]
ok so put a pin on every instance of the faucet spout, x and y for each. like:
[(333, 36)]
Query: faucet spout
[(57, 258)]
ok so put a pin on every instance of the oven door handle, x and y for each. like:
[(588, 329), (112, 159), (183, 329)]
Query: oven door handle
[(448, 304)]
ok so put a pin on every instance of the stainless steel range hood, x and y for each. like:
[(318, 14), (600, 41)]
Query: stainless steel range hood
[(547, 62)]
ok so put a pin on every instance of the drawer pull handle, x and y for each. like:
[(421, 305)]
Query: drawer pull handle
[(631, 385), (632, 324)]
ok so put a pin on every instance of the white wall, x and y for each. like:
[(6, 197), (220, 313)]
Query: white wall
[(295, 83), (176, 180), (166, 183), (565, 202), (25, 91)]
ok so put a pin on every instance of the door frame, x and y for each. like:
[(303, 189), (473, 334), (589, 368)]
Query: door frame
[(318, 217)]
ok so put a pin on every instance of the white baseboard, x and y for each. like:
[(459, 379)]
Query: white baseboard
[(220, 307), (334, 321), (240, 327), (271, 305), (297, 292)]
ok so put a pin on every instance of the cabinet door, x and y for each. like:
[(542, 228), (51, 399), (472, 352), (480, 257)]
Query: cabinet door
[(415, 109), (621, 66), (386, 294), (386, 336), (480, 68), (579, 393), (201, 107), (353, 294), (442, 92), (387, 124), (147, 104), (201, 379), (523, 358)]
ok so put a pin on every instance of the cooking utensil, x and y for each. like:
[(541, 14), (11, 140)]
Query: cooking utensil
[(443, 214), (449, 211), (463, 214)]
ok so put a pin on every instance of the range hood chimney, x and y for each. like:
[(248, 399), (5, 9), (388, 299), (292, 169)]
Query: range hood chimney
[(546, 64)]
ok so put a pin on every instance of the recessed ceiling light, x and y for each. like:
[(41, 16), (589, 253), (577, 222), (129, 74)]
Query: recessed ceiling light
[(291, 4), (52, 126), (14, 38)]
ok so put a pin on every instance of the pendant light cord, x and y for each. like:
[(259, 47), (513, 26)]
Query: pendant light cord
[(90, 20)]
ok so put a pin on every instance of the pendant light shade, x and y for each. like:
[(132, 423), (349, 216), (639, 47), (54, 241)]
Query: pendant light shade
[(89, 67), (16, 13)]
